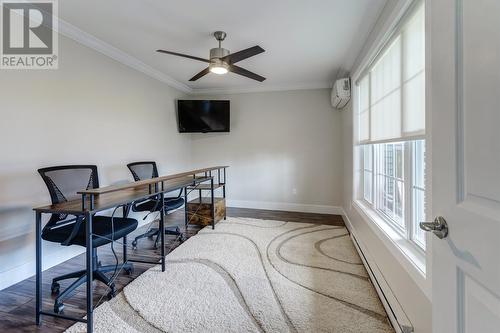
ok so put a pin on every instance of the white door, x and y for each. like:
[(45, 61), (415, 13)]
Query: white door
[(463, 41)]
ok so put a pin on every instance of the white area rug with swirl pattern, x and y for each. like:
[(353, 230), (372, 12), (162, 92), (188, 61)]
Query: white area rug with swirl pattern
[(251, 275)]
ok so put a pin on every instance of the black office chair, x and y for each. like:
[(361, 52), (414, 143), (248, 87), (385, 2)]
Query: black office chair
[(148, 170), (63, 182)]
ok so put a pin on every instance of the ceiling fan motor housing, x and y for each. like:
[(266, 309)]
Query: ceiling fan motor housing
[(218, 53)]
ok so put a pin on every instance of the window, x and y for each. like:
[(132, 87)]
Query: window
[(390, 181), (393, 185), (390, 122)]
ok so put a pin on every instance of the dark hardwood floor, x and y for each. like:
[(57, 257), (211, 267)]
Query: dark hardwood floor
[(286, 216), (17, 303)]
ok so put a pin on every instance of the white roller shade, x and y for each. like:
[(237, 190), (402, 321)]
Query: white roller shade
[(392, 94), (385, 93), (414, 76), (364, 109)]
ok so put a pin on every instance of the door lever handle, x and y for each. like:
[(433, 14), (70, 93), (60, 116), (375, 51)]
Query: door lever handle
[(439, 227)]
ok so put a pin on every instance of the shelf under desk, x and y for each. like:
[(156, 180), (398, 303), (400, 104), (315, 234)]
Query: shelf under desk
[(200, 210)]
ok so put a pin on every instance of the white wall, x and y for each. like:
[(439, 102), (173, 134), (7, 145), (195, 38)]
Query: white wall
[(284, 151), (92, 110)]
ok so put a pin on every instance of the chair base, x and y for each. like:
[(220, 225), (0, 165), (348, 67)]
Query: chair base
[(81, 278), (176, 231)]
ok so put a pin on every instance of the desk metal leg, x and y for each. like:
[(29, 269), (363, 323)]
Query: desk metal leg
[(125, 214), (162, 232), (224, 194), (125, 249), (186, 219), (38, 267), (213, 202), (90, 270)]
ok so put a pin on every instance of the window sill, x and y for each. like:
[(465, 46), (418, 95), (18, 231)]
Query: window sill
[(413, 258)]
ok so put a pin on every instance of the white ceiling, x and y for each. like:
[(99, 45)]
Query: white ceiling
[(306, 42)]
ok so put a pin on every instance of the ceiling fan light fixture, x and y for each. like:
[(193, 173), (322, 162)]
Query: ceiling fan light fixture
[(219, 67)]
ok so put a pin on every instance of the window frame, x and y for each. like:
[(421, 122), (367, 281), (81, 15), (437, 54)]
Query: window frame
[(371, 171), (406, 230), (408, 206), (414, 227), (409, 256)]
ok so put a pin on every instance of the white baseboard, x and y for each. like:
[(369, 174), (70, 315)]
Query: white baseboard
[(285, 206), (397, 316)]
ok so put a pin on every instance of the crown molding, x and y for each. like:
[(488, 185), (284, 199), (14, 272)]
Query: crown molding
[(263, 88), (68, 30)]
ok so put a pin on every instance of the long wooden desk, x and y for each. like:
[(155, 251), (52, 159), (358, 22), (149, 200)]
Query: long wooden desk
[(88, 202)]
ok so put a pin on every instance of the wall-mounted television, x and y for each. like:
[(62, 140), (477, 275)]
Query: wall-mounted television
[(203, 116)]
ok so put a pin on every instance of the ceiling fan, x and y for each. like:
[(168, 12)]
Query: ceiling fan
[(222, 61)]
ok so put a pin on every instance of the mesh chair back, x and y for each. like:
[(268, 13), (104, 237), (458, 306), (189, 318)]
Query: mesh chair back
[(63, 183), (143, 170)]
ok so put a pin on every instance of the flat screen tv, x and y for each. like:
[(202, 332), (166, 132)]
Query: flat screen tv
[(203, 116)]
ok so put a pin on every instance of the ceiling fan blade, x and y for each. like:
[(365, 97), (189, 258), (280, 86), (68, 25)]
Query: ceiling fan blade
[(183, 55), (200, 74), (243, 54), (244, 72)]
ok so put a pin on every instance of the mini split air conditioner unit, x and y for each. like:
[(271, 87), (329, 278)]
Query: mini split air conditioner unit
[(341, 93)]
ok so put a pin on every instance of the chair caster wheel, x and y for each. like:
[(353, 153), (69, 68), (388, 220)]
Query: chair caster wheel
[(58, 308), (134, 245), (55, 288), (129, 271)]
